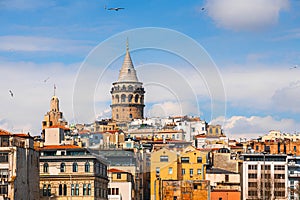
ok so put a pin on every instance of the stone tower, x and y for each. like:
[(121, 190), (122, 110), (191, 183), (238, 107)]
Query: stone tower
[(127, 93), (53, 117)]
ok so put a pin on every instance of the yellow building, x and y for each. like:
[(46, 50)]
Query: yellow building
[(187, 170), (192, 164), (164, 166)]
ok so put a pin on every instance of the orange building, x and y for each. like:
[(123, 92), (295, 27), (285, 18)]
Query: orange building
[(225, 194), (279, 146)]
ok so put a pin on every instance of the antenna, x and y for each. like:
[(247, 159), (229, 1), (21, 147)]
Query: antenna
[(127, 45), (54, 88)]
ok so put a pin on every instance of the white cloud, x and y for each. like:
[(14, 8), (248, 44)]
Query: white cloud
[(169, 108), (46, 44), (245, 14), (255, 126)]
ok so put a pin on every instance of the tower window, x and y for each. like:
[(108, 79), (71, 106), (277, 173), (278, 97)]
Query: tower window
[(117, 99), (117, 116), (123, 98), (136, 99), (129, 70), (130, 115), (130, 97)]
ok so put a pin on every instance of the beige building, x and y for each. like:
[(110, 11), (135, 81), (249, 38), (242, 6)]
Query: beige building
[(18, 167), (71, 172), (127, 94)]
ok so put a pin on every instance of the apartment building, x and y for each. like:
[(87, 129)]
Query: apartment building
[(264, 176)]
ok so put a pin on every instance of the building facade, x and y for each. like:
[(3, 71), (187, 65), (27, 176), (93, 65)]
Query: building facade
[(19, 167), (127, 94), (71, 172), (264, 176)]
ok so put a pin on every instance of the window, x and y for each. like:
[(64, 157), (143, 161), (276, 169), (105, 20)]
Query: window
[(136, 98), (123, 98), (279, 185), (252, 167), (252, 193), (199, 159), (65, 189), (183, 171), (170, 170), (130, 115), (46, 166), (3, 190), (185, 159), (279, 193), (191, 172), (72, 190), (267, 176), (226, 177), (268, 167), (3, 173), (49, 190), (77, 190), (257, 147), (3, 157), (44, 190), (252, 184), (252, 175), (279, 176), (164, 159), (279, 167), (62, 167), (199, 171), (118, 175), (75, 167), (87, 167), (89, 190), (157, 171), (60, 190), (295, 148), (117, 191), (84, 190)]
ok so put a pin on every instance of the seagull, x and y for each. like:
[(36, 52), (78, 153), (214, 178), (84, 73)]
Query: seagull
[(46, 79), (11, 93), (202, 8), (294, 67), (116, 8)]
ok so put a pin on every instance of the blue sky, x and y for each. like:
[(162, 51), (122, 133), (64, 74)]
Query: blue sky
[(253, 43)]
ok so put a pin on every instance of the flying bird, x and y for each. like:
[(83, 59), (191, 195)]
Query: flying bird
[(116, 8), (294, 67), (46, 79), (11, 93)]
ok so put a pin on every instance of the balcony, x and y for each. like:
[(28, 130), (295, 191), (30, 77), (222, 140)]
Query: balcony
[(294, 175)]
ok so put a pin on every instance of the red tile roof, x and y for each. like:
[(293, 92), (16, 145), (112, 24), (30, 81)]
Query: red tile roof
[(25, 135), (68, 146), (4, 132), (114, 170)]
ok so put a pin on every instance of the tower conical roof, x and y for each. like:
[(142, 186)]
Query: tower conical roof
[(127, 72)]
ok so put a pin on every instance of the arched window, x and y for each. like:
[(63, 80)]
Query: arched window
[(87, 167), (65, 189), (123, 98), (72, 190), (77, 190), (46, 168), (117, 99), (44, 190), (75, 167), (123, 87), (60, 190), (136, 98), (142, 99), (130, 115), (89, 189), (62, 167), (117, 116), (130, 88), (84, 189), (49, 190), (130, 97)]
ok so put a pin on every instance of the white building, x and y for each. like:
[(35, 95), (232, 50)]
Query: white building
[(264, 176)]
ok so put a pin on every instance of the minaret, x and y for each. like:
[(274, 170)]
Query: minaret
[(127, 93)]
